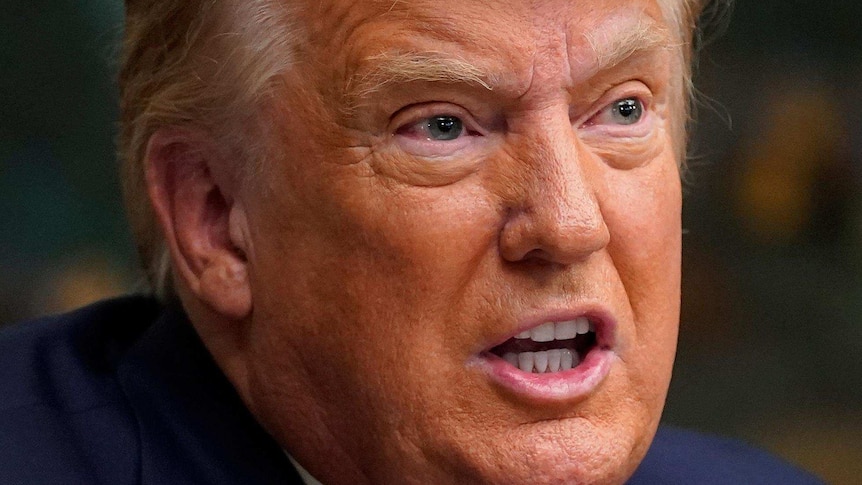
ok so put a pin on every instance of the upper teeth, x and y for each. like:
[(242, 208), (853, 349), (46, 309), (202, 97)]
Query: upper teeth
[(550, 331)]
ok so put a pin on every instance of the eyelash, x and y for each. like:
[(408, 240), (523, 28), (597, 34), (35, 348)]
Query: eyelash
[(413, 128), (420, 120), (425, 113), (639, 104), (444, 124)]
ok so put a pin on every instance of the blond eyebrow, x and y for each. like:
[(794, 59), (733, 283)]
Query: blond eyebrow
[(403, 67), (614, 47), (609, 48)]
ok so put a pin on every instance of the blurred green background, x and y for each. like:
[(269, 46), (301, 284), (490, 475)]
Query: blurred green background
[(771, 336)]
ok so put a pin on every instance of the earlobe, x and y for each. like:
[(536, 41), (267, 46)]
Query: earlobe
[(224, 285), (192, 191)]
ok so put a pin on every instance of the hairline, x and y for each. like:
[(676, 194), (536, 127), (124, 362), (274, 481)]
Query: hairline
[(682, 13)]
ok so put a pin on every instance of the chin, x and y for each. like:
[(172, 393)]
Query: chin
[(577, 450)]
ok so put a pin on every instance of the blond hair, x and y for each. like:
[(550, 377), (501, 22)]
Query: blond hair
[(209, 64), (206, 64)]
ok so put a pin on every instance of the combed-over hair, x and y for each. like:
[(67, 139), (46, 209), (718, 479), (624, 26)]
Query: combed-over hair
[(209, 65), (205, 64)]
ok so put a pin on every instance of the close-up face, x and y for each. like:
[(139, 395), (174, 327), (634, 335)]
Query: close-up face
[(464, 248)]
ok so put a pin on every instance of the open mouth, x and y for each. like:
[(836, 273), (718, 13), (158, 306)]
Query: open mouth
[(550, 347)]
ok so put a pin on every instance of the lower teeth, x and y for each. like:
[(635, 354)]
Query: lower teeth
[(554, 360)]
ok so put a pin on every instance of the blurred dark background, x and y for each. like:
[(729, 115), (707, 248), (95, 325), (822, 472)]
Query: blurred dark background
[(771, 335)]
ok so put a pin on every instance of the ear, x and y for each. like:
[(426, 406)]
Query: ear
[(192, 189)]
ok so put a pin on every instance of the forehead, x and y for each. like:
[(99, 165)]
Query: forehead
[(506, 36), (460, 16)]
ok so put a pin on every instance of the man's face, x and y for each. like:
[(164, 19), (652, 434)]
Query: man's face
[(450, 176)]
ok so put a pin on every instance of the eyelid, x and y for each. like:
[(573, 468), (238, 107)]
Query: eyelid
[(413, 114), (628, 90)]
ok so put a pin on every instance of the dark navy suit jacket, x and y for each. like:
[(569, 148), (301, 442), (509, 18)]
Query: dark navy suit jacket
[(123, 392)]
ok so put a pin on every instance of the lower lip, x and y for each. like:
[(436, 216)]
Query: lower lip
[(553, 387)]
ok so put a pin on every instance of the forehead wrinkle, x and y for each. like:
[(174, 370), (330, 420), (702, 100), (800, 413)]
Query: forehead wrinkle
[(405, 67), (613, 45)]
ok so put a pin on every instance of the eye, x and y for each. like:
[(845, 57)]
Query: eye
[(445, 128), (627, 111), (435, 128), (622, 112)]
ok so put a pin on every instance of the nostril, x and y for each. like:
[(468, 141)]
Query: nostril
[(538, 255), (560, 221), (558, 245), (517, 240)]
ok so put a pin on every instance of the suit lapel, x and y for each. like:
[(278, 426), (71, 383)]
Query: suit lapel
[(193, 428)]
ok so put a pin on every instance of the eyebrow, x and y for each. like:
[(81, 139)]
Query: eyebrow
[(620, 44), (609, 48), (404, 67)]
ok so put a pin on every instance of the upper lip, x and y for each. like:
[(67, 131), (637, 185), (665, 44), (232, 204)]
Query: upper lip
[(605, 325)]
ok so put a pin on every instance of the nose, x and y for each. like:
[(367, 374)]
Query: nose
[(554, 214)]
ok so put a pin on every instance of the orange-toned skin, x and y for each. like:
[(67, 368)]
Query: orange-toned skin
[(347, 288)]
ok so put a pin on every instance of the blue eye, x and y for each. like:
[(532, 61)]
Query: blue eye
[(627, 111), (444, 128)]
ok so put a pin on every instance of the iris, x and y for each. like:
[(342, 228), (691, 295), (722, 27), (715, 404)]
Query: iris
[(627, 111), (444, 128)]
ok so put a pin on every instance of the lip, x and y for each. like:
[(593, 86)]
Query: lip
[(572, 385)]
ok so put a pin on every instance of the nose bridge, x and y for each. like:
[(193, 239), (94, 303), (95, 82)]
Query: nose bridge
[(559, 215), (564, 190)]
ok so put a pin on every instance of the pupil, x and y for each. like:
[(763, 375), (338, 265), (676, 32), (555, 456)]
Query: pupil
[(445, 127), (628, 111)]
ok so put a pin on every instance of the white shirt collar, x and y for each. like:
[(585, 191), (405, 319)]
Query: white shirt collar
[(306, 477)]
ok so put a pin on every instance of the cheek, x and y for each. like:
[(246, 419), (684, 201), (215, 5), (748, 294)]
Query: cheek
[(645, 222), (643, 209), (421, 243), (382, 265), (377, 278)]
